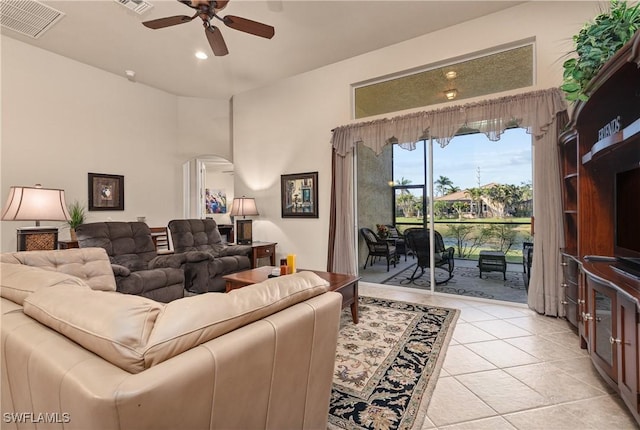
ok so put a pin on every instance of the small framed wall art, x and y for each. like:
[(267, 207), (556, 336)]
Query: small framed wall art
[(106, 192), (299, 195)]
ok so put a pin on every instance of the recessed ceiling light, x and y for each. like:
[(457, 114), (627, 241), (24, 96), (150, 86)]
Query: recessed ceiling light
[(451, 74), (201, 55), (451, 94)]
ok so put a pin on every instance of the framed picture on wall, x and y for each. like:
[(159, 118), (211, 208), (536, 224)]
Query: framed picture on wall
[(299, 195), (215, 201), (106, 192)]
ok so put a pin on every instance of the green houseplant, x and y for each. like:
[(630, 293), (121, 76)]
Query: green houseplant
[(595, 44), (76, 217)]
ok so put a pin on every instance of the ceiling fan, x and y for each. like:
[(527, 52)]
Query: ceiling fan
[(207, 10)]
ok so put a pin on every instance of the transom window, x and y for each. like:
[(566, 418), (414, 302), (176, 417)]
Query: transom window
[(498, 71)]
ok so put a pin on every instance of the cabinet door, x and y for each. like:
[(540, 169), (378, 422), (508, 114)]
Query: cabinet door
[(627, 345), (583, 310), (602, 305), (570, 271)]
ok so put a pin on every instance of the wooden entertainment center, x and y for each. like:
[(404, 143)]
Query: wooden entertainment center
[(601, 144)]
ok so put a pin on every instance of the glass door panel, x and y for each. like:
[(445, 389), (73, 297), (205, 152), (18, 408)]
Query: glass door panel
[(603, 327)]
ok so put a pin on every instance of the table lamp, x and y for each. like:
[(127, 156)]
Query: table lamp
[(244, 206), (36, 204)]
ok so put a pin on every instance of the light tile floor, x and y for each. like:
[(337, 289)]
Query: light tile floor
[(509, 368)]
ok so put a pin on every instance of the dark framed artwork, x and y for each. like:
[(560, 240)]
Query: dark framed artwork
[(299, 195), (106, 192)]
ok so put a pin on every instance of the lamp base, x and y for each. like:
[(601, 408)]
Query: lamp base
[(37, 238), (244, 232)]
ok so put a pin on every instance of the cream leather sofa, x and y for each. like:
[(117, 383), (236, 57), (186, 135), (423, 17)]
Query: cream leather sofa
[(78, 355)]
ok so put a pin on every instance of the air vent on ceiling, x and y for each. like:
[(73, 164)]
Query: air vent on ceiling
[(28, 17), (138, 6)]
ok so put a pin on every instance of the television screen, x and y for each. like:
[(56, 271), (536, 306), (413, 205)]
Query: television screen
[(627, 214)]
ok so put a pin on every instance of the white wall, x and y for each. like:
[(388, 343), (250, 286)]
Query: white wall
[(62, 119), (285, 128), (203, 125)]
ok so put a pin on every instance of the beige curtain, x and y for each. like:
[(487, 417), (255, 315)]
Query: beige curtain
[(536, 111)]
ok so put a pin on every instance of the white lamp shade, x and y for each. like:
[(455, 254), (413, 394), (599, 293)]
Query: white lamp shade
[(244, 206), (35, 204)]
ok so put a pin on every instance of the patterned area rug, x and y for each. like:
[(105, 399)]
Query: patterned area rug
[(387, 365), (467, 282)]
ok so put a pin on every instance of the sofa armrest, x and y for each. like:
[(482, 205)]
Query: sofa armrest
[(144, 282), (120, 271), (198, 256), (231, 250), (177, 261), (163, 261)]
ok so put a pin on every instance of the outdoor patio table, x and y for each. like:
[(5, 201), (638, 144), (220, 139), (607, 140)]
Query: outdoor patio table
[(492, 261)]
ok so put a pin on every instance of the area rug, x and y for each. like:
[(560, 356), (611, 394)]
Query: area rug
[(387, 365), (467, 282)]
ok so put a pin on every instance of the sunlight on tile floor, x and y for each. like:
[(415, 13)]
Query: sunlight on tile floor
[(509, 368)]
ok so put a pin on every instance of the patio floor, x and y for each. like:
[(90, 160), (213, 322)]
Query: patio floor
[(466, 279)]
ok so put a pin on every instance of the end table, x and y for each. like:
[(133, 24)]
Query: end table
[(261, 250)]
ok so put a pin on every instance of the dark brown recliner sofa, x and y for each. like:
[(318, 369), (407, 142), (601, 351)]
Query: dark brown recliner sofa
[(136, 265), (203, 235)]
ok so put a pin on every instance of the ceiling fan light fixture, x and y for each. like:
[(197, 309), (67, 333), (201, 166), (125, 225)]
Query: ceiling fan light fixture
[(201, 55)]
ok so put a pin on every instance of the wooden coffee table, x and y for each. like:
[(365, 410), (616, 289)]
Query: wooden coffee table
[(347, 285)]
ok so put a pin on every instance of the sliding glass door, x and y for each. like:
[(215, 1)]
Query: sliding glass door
[(476, 193)]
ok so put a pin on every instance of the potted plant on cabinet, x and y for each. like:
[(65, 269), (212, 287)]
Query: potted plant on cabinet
[(595, 44), (76, 217)]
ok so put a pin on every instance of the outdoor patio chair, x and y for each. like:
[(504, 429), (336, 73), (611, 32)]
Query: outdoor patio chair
[(418, 241), (378, 248), (527, 259), (399, 240)]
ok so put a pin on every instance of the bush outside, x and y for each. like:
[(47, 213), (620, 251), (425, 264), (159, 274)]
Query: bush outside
[(471, 236)]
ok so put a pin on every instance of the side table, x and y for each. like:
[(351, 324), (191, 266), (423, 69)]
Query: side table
[(347, 285), (492, 261), (67, 244), (263, 250)]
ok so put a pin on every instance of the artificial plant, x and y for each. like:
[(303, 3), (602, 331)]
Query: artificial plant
[(596, 43), (76, 214)]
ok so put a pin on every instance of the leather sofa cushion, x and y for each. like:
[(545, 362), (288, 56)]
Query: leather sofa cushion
[(135, 333), (193, 320), (91, 265), (113, 325), (19, 281)]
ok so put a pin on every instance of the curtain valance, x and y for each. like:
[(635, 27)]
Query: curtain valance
[(534, 111)]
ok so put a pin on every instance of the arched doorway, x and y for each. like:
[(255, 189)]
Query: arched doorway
[(208, 188)]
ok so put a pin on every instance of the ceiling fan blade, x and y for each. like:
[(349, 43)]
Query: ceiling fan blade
[(168, 21), (216, 41), (249, 26)]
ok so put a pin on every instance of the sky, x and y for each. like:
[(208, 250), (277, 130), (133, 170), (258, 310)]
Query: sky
[(507, 161)]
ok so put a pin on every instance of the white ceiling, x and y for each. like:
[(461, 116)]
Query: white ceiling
[(308, 35)]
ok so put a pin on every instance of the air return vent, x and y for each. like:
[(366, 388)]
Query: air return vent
[(28, 17), (138, 6)]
